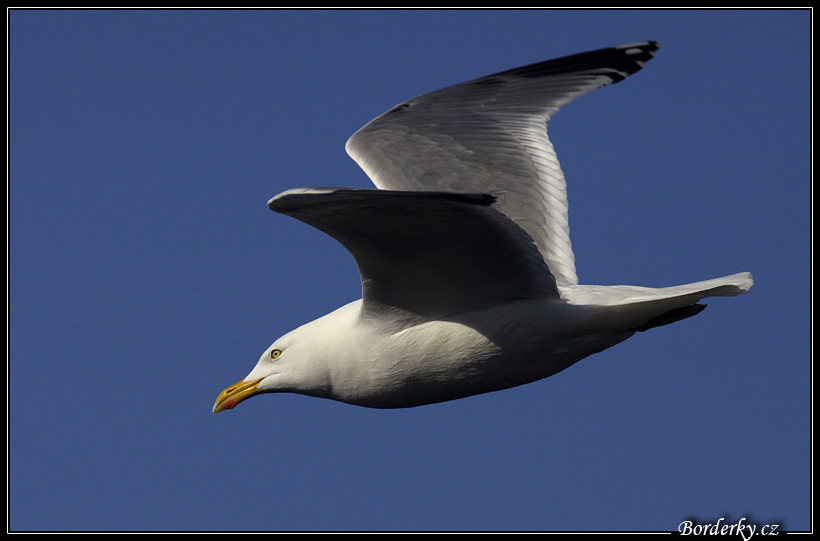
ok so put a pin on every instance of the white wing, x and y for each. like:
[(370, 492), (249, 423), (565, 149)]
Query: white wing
[(489, 136), (432, 254)]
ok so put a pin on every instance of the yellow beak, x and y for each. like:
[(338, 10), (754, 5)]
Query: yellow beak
[(235, 394)]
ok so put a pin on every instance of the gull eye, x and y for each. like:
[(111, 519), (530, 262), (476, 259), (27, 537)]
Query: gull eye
[(275, 353)]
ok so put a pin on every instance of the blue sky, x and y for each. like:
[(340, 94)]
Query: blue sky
[(146, 274)]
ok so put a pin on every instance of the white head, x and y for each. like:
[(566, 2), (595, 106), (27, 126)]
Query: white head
[(298, 362)]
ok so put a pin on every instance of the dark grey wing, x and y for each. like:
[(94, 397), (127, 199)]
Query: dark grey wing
[(489, 135), (432, 254)]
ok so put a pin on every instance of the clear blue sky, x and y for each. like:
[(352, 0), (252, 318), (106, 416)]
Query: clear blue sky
[(146, 274)]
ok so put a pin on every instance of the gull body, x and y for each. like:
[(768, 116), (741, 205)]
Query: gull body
[(468, 276)]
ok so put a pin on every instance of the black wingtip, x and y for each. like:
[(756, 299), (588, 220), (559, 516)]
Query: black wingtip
[(672, 316), (295, 198), (616, 62)]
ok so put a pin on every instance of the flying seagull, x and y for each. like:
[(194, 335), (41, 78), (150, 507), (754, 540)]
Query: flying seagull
[(468, 276)]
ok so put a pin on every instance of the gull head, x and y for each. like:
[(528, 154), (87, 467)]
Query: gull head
[(288, 365), (298, 362)]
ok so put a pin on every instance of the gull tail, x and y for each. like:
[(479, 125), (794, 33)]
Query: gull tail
[(680, 302), (644, 308)]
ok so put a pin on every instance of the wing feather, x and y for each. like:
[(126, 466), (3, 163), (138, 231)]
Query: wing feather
[(432, 254), (489, 136)]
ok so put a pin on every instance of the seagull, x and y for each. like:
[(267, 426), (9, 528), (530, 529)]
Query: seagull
[(467, 270)]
